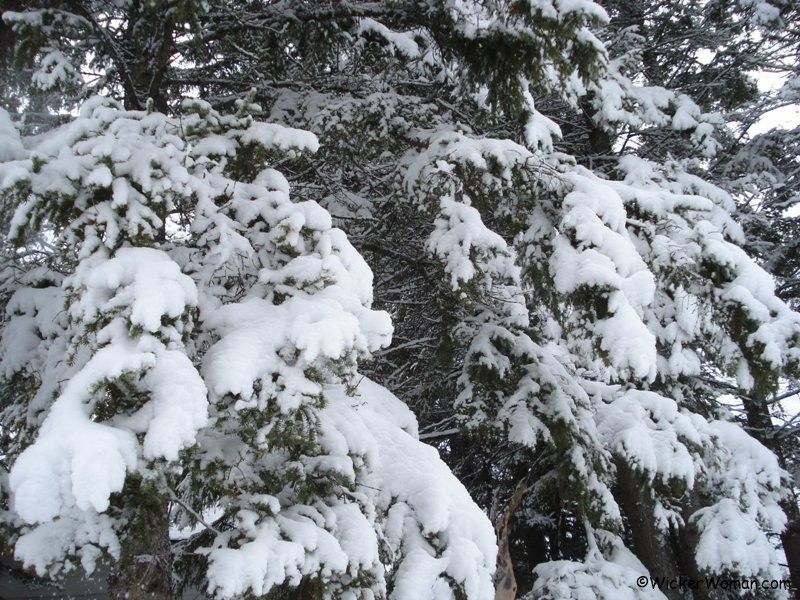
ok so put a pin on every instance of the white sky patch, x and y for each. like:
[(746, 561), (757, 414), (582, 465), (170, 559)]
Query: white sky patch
[(789, 407), (785, 117), (792, 212), (704, 56)]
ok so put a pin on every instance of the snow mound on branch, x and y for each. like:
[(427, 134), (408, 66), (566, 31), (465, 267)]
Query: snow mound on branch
[(271, 135), (34, 315), (652, 434), (597, 252), (256, 334), (610, 574), (144, 281), (460, 240), (10, 143), (88, 531), (423, 516), (698, 233), (733, 531), (450, 149), (78, 460), (402, 42)]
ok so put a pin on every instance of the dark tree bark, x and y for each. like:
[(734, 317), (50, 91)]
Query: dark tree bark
[(144, 569), (760, 423), (649, 542)]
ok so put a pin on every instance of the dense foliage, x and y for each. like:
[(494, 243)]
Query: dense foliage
[(584, 273)]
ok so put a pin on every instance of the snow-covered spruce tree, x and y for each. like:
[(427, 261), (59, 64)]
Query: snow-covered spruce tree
[(113, 395), (556, 325), (760, 169), (571, 318), (707, 52), (180, 348)]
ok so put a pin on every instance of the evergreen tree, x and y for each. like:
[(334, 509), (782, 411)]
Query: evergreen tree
[(569, 295), (181, 350), (556, 222)]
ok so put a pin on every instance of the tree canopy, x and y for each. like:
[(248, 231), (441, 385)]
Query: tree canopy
[(399, 299)]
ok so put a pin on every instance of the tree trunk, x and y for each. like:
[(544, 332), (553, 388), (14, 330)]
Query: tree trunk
[(649, 543), (148, 43), (790, 539), (144, 570), (760, 423), (505, 582), (684, 544)]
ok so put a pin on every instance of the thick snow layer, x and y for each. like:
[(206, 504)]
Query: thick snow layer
[(733, 531), (700, 235), (421, 514), (85, 533), (254, 335), (446, 149), (10, 143), (609, 572), (35, 316), (460, 239), (402, 42), (77, 461), (143, 282), (652, 435), (271, 135), (597, 252), (539, 130)]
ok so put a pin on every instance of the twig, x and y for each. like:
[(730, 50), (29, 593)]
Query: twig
[(192, 512)]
